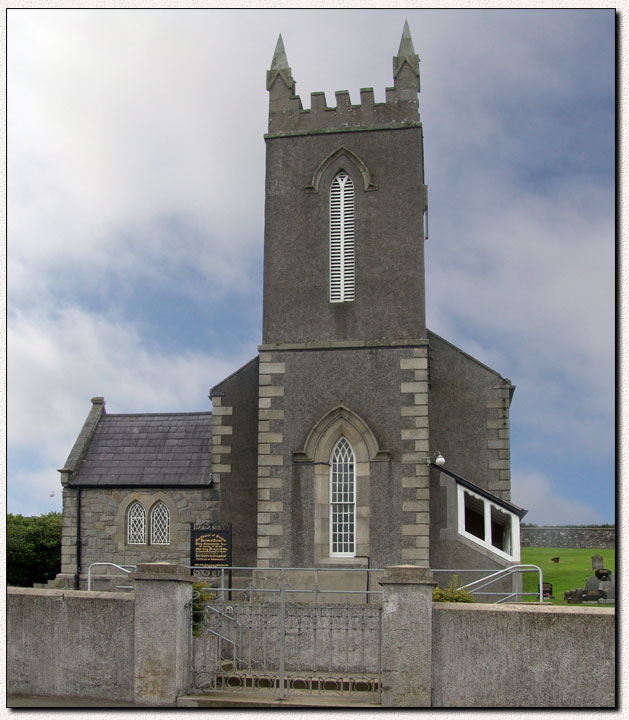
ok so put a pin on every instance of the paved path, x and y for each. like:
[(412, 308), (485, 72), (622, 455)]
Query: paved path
[(25, 701)]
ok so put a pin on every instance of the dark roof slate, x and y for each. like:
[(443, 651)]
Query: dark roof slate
[(520, 512), (148, 450)]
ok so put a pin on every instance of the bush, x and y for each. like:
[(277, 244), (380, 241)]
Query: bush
[(33, 548), (201, 595), (451, 594)]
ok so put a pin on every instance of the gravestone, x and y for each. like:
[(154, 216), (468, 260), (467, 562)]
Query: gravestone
[(611, 593), (609, 588), (592, 583), (601, 587), (573, 596)]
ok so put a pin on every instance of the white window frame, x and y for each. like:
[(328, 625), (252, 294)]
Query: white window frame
[(348, 486), (342, 247), (131, 532), (160, 507), (514, 555)]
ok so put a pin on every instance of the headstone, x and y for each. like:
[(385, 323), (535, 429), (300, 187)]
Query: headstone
[(604, 585), (611, 592), (573, 596), (592, 583), (597, 562)]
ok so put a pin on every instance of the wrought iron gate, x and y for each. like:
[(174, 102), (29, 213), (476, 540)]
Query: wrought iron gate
[(287, 648)]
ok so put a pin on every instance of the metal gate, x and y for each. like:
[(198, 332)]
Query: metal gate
[(286, 648)]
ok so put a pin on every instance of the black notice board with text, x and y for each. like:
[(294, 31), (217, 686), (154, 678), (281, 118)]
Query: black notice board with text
[(211, 547)]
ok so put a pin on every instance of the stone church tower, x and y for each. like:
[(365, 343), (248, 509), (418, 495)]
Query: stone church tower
[(345, 353), (355, 396), (320, 451)]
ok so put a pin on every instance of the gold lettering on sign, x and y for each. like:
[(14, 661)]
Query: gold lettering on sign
[(211, 549)]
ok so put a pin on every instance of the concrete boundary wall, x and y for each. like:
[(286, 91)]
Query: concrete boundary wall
[(575, 537), (135, 647), (523, 656), (70, 642)]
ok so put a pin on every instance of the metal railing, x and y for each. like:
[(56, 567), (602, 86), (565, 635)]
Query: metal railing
[(475, 587), (124, 568), (226, 589), (285, 648)]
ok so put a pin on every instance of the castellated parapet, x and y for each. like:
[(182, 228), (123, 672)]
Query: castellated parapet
[(287, 115)]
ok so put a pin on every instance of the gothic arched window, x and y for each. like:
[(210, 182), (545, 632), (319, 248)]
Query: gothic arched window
[(343, 500), (160, 525), (136, 525), (342, 265)]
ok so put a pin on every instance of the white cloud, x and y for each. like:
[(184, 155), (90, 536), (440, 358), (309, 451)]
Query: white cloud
[(136, 158), (545, 507), (58, 360)]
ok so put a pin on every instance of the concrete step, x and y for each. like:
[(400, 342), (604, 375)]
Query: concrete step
[(229, 698)]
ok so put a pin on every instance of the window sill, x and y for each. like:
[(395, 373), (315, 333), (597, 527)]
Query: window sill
[(341, 562)]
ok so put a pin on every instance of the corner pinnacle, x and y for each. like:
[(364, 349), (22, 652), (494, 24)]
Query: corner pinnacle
[(280, 61), (406, 43)]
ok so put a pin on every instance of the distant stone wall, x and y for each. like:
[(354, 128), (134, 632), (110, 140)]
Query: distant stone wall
[(575, 537)]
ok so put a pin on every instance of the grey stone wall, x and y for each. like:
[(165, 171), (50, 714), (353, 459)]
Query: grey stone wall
[(469, 417), (70, 643), (389, 257), (519, 656), (235, 457), (103, 527), (380, 385), (577, 537)]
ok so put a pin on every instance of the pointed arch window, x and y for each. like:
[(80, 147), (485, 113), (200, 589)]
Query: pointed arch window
[(160, 525), (343, 500), (342, 262), (136, 525)]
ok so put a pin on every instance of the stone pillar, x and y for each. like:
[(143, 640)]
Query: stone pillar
[(162, 632), (407, 636), (416, 451)]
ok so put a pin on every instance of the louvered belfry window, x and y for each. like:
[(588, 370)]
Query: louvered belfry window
[(342, 265), (342, 500), (160, 525), (136, 525)]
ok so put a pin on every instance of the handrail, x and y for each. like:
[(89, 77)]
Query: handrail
[(120, 567), (473, 587), (237, 647), (503, 573), (316, 590)]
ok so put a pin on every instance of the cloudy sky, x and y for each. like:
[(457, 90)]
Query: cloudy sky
[(136, 210)]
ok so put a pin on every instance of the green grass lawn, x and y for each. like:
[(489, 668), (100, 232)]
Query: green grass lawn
[(571, 572)]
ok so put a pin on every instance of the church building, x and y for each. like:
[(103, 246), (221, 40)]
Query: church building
[(326, 449)]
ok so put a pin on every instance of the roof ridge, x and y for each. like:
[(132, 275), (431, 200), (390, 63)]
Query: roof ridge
[(162, 414)]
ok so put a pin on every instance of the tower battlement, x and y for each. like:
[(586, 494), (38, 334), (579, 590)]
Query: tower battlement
[(287, 115)]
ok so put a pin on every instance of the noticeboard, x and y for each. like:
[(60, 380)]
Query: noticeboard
[(211, 547)]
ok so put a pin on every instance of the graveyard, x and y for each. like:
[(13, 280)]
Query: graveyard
[(572, 570)]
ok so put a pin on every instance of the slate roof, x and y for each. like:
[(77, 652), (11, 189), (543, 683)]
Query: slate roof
[(148, 450), (520, 512)]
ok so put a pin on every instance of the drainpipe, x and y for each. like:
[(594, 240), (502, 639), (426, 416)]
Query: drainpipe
[(368, 558), (78, 538)]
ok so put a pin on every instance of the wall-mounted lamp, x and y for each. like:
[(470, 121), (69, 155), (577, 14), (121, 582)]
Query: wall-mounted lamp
[(438, 459)]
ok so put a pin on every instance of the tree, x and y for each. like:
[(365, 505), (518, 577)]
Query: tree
[(33, 548)]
